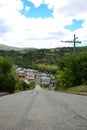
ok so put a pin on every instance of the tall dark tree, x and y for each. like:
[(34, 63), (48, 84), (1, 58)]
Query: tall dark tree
[(7, 78)]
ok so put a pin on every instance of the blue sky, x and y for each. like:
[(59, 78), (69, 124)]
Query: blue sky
[(42, 23), (76, 24), (36, 12)]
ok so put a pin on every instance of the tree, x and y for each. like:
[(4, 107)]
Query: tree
[(7, 77), (5, 65), (72, 70)]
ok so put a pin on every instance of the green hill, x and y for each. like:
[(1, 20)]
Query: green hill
[(8, 48), (31, 57)]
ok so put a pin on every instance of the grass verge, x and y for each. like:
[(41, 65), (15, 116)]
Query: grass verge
[(82, 89)]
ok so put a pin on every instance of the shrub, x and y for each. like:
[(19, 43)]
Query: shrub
[(2, 79), (7, 83), (21, 85), (7, 77), (32, 84), (72, 71), (44, 85)]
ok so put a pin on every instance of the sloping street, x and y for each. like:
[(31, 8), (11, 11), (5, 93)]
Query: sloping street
[(43, 110)]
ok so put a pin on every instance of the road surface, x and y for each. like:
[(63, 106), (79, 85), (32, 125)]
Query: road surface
[(43, 110)]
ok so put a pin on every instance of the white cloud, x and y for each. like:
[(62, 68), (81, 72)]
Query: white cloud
[(11, 4), (76, 7), (27, 8), (36, 2), (18, 30)]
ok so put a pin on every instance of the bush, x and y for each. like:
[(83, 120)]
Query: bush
[(44, 85), (7, 77), (7, 83), (21, 85), (10, 84), (2, 79), (72, 71), (25, 86), (32, 85)]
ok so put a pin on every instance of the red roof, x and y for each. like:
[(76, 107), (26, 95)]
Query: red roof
[(20, 74), (22, 79)]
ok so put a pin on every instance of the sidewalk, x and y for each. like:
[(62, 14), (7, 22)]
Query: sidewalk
[(3, 93)]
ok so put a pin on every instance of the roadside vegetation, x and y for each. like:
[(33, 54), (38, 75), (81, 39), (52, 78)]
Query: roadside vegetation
[(7, 75), (21, 85), (72, 72), (82, 89)]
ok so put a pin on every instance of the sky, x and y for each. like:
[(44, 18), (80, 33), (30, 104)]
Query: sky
[(43, 23)]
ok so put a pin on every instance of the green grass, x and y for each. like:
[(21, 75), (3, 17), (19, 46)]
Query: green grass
[(82, 89), (78, 89), (44, 88)]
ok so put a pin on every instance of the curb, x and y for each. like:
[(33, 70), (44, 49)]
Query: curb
[(3, 94), (83, 94)]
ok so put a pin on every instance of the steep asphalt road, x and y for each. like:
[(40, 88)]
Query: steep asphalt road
[(43, 110)]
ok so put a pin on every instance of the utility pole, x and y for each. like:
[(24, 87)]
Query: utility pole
[(73, 41), (74, 50)]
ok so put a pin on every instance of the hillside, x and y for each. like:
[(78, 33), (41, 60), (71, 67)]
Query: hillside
[(31, 57), (6, 47), (65, 65)]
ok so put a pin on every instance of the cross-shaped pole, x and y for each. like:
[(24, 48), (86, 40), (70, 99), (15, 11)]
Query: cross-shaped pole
[(73, 41)]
